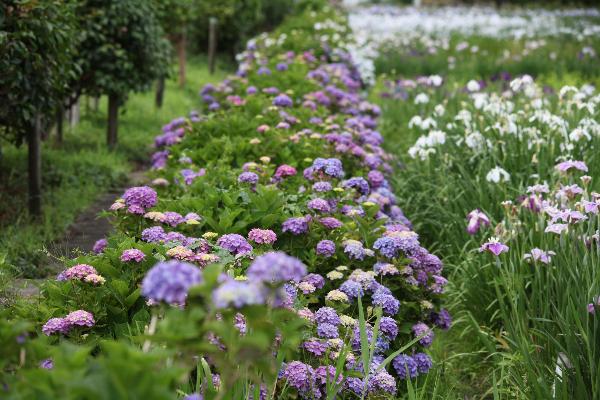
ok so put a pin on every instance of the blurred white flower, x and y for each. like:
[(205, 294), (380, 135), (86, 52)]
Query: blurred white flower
[(497, 175)]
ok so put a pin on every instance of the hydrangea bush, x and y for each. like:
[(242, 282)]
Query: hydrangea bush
[(268, 257)]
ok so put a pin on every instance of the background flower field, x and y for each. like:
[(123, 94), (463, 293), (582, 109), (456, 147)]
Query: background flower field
[(380, 203)]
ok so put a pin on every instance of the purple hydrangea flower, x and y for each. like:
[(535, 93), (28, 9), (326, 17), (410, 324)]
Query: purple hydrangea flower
[(132, 255), (316, 347), (375, 178), (170, 281), (315, 279), (296, 226), (283, 100), (276, 267), (389, 246), (189, 175), (354, 249), (327, 315), (356, 385), (382, 381), (248, 177), (389, 304), (423, 362), (405, 366), (322, 186), (388, 327), (422, 329), (172, 218), (326, 248), (99, 246), (327, 373), (320, 205), (300, 376), (56, 325), (442, 319), (194, 396), (331, 167), (330, 222), (154, 234), (234, 243), (139, 198), (328, 331), (263, 71)]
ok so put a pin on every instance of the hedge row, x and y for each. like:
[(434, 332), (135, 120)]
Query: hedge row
[(268, 259)]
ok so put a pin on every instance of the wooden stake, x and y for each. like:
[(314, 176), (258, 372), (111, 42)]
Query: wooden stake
[(35, 168), (113, 121), (212, 44), (160, 91)]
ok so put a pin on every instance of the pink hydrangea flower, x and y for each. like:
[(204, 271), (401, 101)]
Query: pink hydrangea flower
[(80, 318), (132, 255), (262, 236), (78, 272)]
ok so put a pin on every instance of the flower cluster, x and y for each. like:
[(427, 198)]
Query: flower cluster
[(64, 325)]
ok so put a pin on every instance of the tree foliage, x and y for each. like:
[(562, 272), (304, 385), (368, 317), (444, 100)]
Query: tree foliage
[(36, 61), (238, 20), (122, 46)]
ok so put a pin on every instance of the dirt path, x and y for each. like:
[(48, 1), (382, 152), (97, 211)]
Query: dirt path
[(81, 234)]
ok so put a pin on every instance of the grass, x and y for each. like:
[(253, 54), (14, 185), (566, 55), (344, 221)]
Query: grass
[(75, 173)]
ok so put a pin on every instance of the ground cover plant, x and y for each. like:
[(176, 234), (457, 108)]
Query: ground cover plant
[(267, 259)]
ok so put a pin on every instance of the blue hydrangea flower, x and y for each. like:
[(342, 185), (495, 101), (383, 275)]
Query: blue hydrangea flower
[(358, 183), (405, 366), (352, 289), (238, 294), (170, 281)]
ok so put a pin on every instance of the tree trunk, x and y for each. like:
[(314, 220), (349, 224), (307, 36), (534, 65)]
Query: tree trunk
[(113, 121), (181, 43), (74, 114), (212, 44), (160, 91), (96, 103), (60, 115), (35, 168)]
